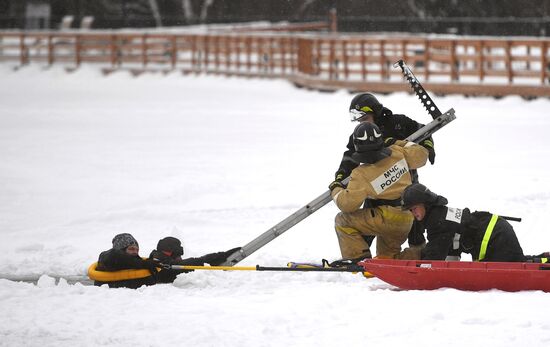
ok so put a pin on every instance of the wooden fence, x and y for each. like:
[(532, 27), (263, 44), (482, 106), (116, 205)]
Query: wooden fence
[(328, 61)]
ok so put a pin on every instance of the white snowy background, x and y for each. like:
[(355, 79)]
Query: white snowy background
[(216, 162)]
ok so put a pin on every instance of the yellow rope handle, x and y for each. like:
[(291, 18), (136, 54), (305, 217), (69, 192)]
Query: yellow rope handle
[(232, 268), (242, 268)]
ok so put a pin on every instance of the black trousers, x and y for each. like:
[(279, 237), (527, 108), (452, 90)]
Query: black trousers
[(503, 244)]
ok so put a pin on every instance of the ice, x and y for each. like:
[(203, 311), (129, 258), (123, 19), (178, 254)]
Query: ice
[(217, 161), (45, 281)]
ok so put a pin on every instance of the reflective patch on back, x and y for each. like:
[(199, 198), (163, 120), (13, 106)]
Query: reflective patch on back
[(454, 214), (388, 178)]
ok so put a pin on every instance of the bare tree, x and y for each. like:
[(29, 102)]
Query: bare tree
[(156, 13), (202, 7), (303, 7), (416, 10)]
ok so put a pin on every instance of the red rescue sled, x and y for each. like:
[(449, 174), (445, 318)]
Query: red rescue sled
[(475, 276)]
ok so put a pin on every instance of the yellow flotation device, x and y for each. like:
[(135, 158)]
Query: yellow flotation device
[(113, 276)]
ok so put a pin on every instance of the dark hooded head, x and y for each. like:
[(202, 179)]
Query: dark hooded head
[(122, 241), (363, 104), (418, 193), (369, 144), (171, 245)]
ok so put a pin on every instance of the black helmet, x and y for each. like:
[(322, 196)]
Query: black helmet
[(170, 244), (418, 193), (363, 103), (369, 144)]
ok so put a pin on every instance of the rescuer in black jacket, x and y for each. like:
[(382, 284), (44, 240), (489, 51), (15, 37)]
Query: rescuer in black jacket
[(365, 107), (169, 252), (125, 256), (452, 231)]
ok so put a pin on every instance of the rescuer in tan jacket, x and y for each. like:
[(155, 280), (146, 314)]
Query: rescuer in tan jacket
[(381, 178)]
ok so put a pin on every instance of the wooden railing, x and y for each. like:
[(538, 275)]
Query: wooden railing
[(484, 66), (476, 66), (258, 55)]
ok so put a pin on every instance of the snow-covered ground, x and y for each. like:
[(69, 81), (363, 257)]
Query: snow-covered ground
[(217, 161)]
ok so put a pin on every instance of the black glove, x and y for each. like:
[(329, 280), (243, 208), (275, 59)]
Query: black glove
[(388, 141), (337, 182), (218, 258), (152, 265), (429, 145), (416, 234)]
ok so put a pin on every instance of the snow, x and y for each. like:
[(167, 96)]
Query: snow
[(217, 161)]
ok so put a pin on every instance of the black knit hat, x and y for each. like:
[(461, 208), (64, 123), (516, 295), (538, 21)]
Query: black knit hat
[(122, 241), (170, 244)]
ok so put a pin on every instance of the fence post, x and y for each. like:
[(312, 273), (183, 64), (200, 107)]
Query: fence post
[(248, 47), (206, 51), (481, 62), (282, 53), (543, 62), (50, 50), (271, 54), (113, 50), (305, 56), (333, 19), (237, 41), (216, 52), (454, 64), (227, 41), (23, 54), (77, 50), (508, 60), (144, 50), (174, 51), (194, 54)]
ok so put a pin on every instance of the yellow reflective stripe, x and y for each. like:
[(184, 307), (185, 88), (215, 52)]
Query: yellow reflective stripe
[(366, 109), (428, 143), (395, 215), (347, 230), (487, 236)]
